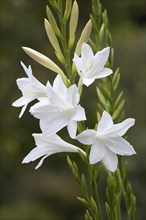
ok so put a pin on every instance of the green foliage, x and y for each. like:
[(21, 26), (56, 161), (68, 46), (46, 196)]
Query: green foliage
[(113, 102), (88, 216), (113, 195)]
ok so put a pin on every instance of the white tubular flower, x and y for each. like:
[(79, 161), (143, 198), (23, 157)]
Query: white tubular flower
[(48, 145), (90, 66), (60, 110), (31, 89), (107, 141)]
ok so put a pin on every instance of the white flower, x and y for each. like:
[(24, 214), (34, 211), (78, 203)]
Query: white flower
[(90, 66), (60, 109), (47, 145), (31, 89), (107, 141)]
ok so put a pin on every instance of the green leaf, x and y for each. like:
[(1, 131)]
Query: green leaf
[(69, 162), (101, 32), (104, 91), (119, 100), (117, 111), (83, 201), (83, 184), (108, 211), (74, 169), (94, 208), (53, 3), (103, 101), (88, 216), (116, 79), (100, 108), (83, 156), (98, 172)]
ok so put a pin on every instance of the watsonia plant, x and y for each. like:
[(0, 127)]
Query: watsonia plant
[(58, 107)]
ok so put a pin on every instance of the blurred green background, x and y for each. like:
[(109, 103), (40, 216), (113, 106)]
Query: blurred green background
[(50, 192)]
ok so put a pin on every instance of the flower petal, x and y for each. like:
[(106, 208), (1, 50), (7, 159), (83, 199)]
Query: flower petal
[(79, 114), (110, 160), (105, 123), (28, 70), (55, 124), (22, 83), (97, 152), (86, 53), (22, 110), (120, 146), (56, 98), (103, 73), (88, 81), (36, 153), (101, 58), (41, 161), (78, 63), (121, 128), (47, 145), (59, 86), (85, 35), (20, 102), (72, 129), (87, 137), (73, 96)]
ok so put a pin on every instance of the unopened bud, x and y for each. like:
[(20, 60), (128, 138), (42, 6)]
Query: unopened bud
[(85, 35), (52, 37), (73, 22), (52, 21), (45, 61), (67, 9)]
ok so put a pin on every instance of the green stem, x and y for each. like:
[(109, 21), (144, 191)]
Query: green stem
[(64, 42), (96, 197)]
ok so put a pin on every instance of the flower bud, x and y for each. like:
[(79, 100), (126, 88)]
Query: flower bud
[(67, 9), (52, 22), (73, 23), (101, 32), (85, 35), (45, 61), (51, 36)]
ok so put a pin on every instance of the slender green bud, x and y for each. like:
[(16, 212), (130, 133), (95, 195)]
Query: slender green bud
[(54, 4), (101, 32), (45, 61), (85, 35), (52, 22), (73, 23), (67, 9), (105, 18), (60, 57), (54, 41), (88, 216), (84, 201), (51, 36)]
